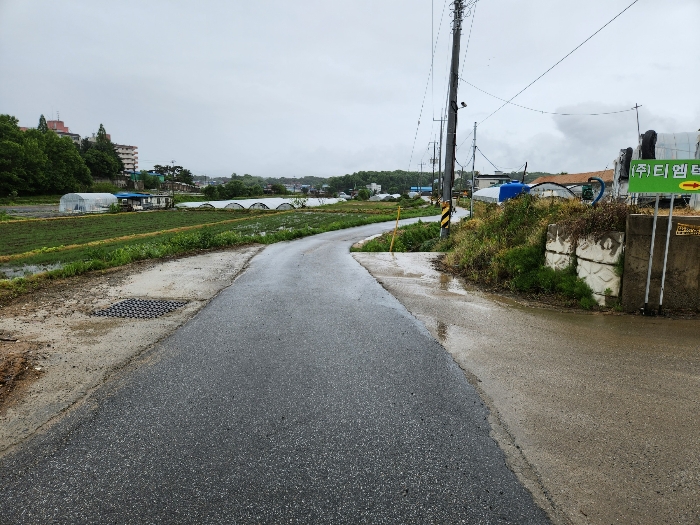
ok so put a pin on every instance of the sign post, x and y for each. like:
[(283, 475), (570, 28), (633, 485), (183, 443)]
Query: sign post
[(663, 177), (651, 257)]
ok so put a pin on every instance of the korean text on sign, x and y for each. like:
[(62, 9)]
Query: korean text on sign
[(664, 176)]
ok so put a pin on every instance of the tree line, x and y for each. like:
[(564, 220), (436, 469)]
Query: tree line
[(397, 181), (40, 162)]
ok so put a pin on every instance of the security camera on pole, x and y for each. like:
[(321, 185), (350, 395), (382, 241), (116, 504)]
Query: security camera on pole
[(448, 176)]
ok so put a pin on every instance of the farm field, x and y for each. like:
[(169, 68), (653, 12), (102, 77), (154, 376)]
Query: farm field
[(24, 236), (37, 246)]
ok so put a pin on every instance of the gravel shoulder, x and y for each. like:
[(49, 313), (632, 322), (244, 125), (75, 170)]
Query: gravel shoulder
[(597, 413), (54, 350)]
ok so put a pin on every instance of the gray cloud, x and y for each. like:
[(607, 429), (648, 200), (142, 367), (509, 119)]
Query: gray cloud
[(325, 88)]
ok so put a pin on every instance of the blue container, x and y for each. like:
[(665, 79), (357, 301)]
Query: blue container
[(512, 189)]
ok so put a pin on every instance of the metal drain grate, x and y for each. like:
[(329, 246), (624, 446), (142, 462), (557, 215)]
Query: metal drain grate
[(140, 308)]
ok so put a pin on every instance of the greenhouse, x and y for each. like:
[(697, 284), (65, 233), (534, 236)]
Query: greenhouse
[(86, 202), (271, 203)]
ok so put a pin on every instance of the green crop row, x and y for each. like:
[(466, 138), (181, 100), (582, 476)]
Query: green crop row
[(264, 229)]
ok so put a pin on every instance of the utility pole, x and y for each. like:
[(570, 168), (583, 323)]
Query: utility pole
[(172, 185), (420, 177), (439, 157), (471, 200), (433, 161), (448, 177)]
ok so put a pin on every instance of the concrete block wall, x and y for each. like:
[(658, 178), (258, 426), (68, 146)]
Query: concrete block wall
[(682, 285), (596, 259)]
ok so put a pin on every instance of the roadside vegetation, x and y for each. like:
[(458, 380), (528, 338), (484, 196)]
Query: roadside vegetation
[(418, 237), (37, 251), (503, 247)]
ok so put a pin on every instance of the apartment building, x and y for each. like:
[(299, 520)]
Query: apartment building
[(62, 130), (129, 156)]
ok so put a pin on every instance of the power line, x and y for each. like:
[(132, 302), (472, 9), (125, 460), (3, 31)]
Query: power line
[(555, 65), (561, 60), (472, 11), (546, 112), (496, 167), (425, 92)]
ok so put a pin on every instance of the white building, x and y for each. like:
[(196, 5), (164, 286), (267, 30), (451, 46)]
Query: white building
[(129, 156), (374, 188)]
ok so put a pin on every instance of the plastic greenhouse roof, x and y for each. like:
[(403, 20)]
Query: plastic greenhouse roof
[(271, 203), (92, 195)]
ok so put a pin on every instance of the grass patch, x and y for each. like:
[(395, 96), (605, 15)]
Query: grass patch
[(246, 227), (30, 200), (28, 235), (418, 237), (4, 217)]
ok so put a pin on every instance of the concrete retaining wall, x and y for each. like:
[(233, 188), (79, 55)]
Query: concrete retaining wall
[(682, 287), (596, 259)]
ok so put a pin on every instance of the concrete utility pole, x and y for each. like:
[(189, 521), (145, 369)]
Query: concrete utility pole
[(433, 161), (439, 157), (471, 200), (448, 177)]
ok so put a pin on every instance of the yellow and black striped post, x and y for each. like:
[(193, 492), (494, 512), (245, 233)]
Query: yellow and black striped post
[(445, 219)]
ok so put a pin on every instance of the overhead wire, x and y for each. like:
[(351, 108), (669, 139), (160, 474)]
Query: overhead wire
[(546, 112), (496, 167), (555, 65), (425, 92), (562, 59), (469, 10), (472, 12)]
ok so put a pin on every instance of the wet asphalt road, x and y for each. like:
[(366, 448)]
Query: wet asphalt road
[(304, 393)]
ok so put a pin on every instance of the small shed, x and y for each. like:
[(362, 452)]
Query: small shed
[(86, 202), (142, 201)]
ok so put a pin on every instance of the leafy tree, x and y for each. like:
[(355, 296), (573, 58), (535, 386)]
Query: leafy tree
[(173, 173), (149, 181), (363, 194), (102, 135), (185, 176), (211, 193), (21, 160), (279, 189), (42, 127), (254, 191), (101, 164), (233, 189), (85, 145), (101, 156), (65, 170)]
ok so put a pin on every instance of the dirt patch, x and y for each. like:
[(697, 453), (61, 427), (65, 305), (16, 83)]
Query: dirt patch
[(58, 351), (18, 367)]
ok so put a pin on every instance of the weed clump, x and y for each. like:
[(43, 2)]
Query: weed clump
[(505, 247), (418, 237)]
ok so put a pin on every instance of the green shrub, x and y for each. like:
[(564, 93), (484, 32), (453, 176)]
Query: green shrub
[(505, 247), (104, 187), (409, 238)]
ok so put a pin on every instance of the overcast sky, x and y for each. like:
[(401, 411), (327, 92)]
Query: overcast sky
[(312, 87)]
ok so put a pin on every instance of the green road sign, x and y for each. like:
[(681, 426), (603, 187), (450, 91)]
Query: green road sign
[(665, 176)]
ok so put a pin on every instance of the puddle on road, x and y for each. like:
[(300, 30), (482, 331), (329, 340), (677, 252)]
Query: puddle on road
[(441, 331)]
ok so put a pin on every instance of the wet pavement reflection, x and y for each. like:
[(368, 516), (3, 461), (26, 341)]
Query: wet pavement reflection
[(600, 412)]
